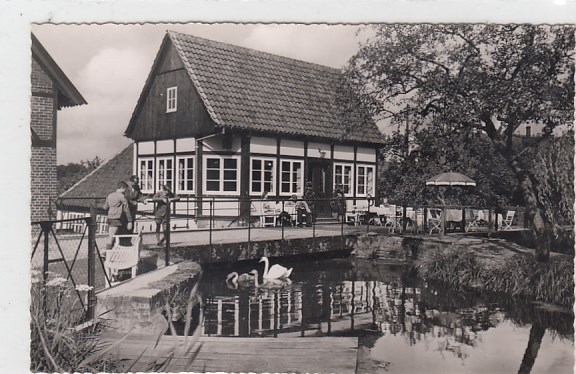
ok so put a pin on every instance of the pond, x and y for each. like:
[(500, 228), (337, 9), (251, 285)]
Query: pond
[(403, 325)]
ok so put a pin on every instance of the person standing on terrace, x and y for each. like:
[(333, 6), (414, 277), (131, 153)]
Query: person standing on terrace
[(310, 197), (162, 198), (134, 196), (119, 217), (303, 213)]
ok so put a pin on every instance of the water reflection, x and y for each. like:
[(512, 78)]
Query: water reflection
[(382, 305)]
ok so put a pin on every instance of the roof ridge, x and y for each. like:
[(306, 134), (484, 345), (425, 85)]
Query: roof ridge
[(238, 48)]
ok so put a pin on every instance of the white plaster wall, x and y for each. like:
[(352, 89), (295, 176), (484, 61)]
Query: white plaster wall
[(318, 150), (292, 148), (342, 152), (165, 146), (214, 144), (264, 145), (366, 155), (185, 145), (146, 148)]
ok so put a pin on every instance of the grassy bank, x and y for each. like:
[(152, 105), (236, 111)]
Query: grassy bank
[(519, 275)]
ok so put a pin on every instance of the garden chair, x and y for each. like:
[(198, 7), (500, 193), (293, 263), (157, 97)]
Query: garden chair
[(478, 222), (268, 214), (435, 220), (507, 222), (352, 215), (122, 255)]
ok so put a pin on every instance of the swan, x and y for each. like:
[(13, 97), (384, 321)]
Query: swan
[(245, 279), (275, 272)]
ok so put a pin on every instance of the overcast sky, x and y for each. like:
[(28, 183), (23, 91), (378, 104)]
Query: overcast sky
[(110, 63)]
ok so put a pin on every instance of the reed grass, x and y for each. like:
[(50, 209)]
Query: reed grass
[(521, 275), (57, 345)]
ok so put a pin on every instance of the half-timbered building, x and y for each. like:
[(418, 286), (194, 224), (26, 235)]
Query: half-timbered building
[(221, 123)]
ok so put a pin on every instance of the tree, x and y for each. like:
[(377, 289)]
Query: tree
[(69, 174), (404, 175), (487, 78)]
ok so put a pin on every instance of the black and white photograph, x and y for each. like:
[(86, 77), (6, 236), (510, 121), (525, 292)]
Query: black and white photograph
[(290, 197)]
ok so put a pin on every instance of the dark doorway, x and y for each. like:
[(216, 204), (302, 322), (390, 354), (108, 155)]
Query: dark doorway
[(319, 174)]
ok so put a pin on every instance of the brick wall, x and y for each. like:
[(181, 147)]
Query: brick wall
[(43, 182), (43, 179)]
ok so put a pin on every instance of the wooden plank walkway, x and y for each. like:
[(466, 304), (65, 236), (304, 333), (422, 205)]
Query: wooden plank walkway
[(232, 354)]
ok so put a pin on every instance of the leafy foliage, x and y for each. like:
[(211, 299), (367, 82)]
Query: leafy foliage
[(69, 174), (462, 79), (403, 179), (553, 172)]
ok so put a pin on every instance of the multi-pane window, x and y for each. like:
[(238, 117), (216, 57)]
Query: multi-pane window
[(262, 175), (364, 180), (291, 177), (171, 99), (185, 174), (165, 173), (221, 174), (146, 172), (343, 177)]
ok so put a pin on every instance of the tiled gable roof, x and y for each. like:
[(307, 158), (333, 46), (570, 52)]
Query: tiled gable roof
[(252, 90), (100, 182)]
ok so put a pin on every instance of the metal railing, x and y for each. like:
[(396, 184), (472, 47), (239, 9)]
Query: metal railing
[(207, 219), (73, 258)]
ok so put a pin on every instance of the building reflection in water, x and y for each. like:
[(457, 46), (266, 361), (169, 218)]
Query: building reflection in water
[(383, 304), (345, 308)]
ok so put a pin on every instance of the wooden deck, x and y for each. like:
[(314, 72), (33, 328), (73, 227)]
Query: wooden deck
[(211, 354)]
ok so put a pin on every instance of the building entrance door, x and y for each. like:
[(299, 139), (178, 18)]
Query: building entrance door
[(318, 173)]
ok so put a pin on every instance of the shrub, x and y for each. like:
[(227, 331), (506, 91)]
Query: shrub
[(520, 275)]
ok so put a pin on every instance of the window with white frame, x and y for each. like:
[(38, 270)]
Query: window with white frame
[(171, 99), (291, 177), (185, 173), (221, 174), (165, 172), (146, 173), (364, 180), (343, 177), (262, 175)]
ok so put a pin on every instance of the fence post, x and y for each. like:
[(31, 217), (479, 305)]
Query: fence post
[(46, 227), (282, 226), (367, 216), (91, 221), (167, 234), (425, 221), (404, 221), (248, 219), (210, 223)]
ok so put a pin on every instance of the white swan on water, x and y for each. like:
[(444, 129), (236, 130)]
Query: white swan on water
[(275, 272), (245, 279)]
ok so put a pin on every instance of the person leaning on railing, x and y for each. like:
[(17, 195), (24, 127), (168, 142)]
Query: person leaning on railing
[(134, 196), (162, 198)]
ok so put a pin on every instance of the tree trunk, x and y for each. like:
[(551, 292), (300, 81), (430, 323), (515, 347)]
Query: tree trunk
[(535, 214)]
